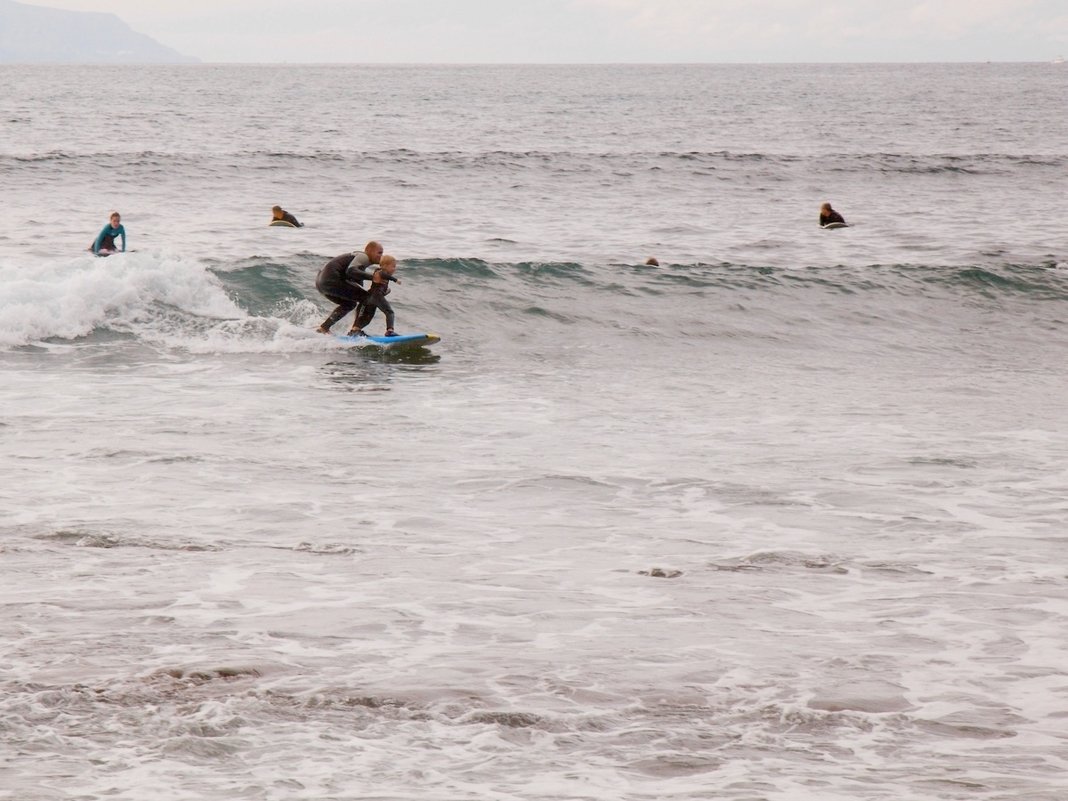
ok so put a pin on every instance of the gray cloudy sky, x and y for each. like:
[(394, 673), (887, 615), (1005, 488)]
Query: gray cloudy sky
[(598, 30)]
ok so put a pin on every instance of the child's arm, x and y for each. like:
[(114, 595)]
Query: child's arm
[(356, 274)]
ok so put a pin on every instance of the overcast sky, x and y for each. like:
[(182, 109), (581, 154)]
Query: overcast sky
[(597, 30)]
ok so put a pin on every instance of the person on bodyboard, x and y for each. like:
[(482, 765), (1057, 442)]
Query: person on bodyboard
[(278, 214), (829, 215)]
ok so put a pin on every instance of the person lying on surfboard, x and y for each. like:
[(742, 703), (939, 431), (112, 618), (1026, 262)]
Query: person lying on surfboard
[(341, 281), (105, 240), (829, 215), (280, 214), (376, 299)]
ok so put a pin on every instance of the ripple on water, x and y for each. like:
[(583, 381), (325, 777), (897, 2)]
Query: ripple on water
[(95, 539)]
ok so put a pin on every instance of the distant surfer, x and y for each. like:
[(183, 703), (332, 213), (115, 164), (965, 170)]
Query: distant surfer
[(829, 215), (278, 214), (104, 244), (341, 281), (652, 261), (376, 299)]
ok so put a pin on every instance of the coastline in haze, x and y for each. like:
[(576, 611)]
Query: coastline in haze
[(31, 34)]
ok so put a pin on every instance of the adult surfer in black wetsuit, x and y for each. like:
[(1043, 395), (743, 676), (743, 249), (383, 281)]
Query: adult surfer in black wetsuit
[(829, 215), (341, 281)]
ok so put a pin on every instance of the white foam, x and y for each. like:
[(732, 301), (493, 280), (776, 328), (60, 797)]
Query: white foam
[(70, 298), (163, 299)]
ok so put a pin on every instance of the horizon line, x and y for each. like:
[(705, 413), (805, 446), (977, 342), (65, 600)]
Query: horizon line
[(498, 63)]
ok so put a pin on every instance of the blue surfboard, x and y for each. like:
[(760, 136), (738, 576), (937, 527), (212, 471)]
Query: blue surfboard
[(400, 339)]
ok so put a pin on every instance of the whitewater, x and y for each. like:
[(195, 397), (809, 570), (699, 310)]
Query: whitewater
[(780, 519)]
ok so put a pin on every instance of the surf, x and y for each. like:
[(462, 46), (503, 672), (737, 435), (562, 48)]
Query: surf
[(172, 300)]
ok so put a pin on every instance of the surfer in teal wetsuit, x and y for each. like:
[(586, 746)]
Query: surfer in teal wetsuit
[(105, 240), (376, 299), (341, 281)]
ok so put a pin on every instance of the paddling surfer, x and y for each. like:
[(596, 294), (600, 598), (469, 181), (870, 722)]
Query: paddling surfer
[(829, 215), (278, 214)]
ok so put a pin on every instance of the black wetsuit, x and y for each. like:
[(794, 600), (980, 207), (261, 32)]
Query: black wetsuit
[(341, 281), (289, 218), (376, 299), (831, 217)]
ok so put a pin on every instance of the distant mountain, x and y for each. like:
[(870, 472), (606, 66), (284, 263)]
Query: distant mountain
[(38, 35)]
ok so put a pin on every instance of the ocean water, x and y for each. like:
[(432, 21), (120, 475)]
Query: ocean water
[(782, 519)]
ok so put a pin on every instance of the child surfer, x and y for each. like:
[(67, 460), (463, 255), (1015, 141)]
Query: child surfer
[(376, 298)]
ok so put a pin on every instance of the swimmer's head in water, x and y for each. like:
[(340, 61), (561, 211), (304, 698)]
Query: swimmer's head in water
[(652, 262)]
